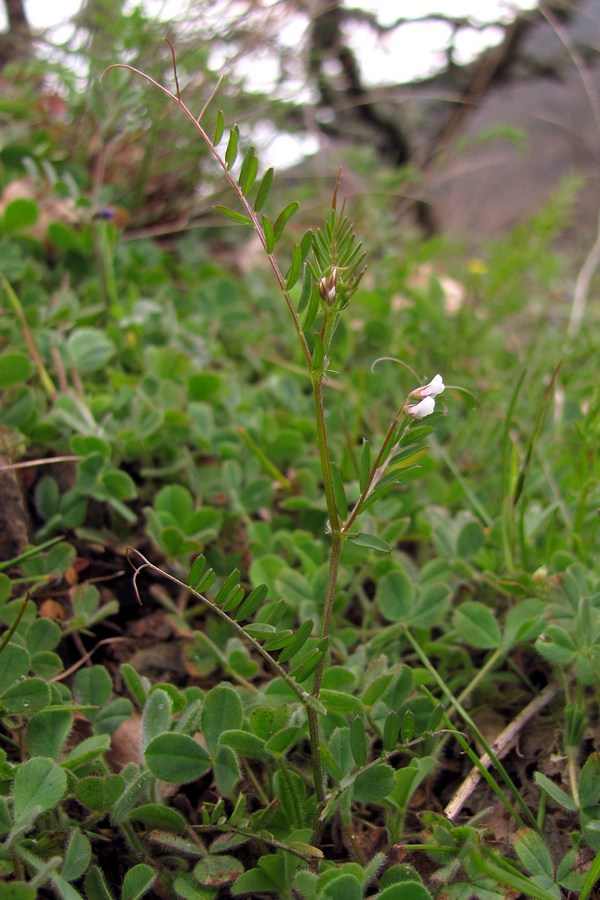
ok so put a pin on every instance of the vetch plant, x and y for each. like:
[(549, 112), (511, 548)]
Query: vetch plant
[(319, 732), (329, 654), (325, 270)]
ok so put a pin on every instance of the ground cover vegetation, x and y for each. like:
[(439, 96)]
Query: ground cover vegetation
[(308, 604)]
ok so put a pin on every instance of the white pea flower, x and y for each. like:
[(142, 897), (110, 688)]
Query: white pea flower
[(426, 396), (435, 387), (419, 410)]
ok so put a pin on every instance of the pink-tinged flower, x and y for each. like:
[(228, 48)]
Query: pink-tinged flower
[(435, 387), (327, 287), (424, 408)]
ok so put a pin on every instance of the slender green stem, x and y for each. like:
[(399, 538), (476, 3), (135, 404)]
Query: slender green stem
[(502, 871), (267, 464), (573, 773), (104, 247), (507, 521), (310, 702), (222, 660), (265, 838), (315, 757), (591, 878), (541, 811), (313, 721), (317, 387), (486, 775), (132, 839), (329, 322), (428, 848), (43, 868), (477, 507), (334, 565), (31, 551), (486, 668), (302, 695), (6, 638), (377, 469), (14, 301), (474, 730), (491, 663), (249, 772)]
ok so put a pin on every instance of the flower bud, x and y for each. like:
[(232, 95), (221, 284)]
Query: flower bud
[(327, 287)]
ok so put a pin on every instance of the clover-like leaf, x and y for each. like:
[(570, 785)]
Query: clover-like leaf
[(176, 758)]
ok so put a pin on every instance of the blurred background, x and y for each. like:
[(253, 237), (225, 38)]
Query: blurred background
[(465, 116)]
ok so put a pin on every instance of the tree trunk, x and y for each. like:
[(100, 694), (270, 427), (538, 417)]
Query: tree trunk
[(17, 43)]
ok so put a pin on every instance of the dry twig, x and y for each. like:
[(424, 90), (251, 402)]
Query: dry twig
[(500, 748)]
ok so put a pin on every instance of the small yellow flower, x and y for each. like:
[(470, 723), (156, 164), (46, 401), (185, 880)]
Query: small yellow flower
[(477, 266)]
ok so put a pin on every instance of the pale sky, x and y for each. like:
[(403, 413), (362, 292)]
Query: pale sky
[(45, 14), (411, 52), (423, 39), (417, 50)]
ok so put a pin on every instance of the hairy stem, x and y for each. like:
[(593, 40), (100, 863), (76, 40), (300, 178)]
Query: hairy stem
[(302, 695), (332, 513), (334, 562), (334, 565), (315, 755)]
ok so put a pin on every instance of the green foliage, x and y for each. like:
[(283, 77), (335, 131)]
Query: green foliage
[(348, 586)]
